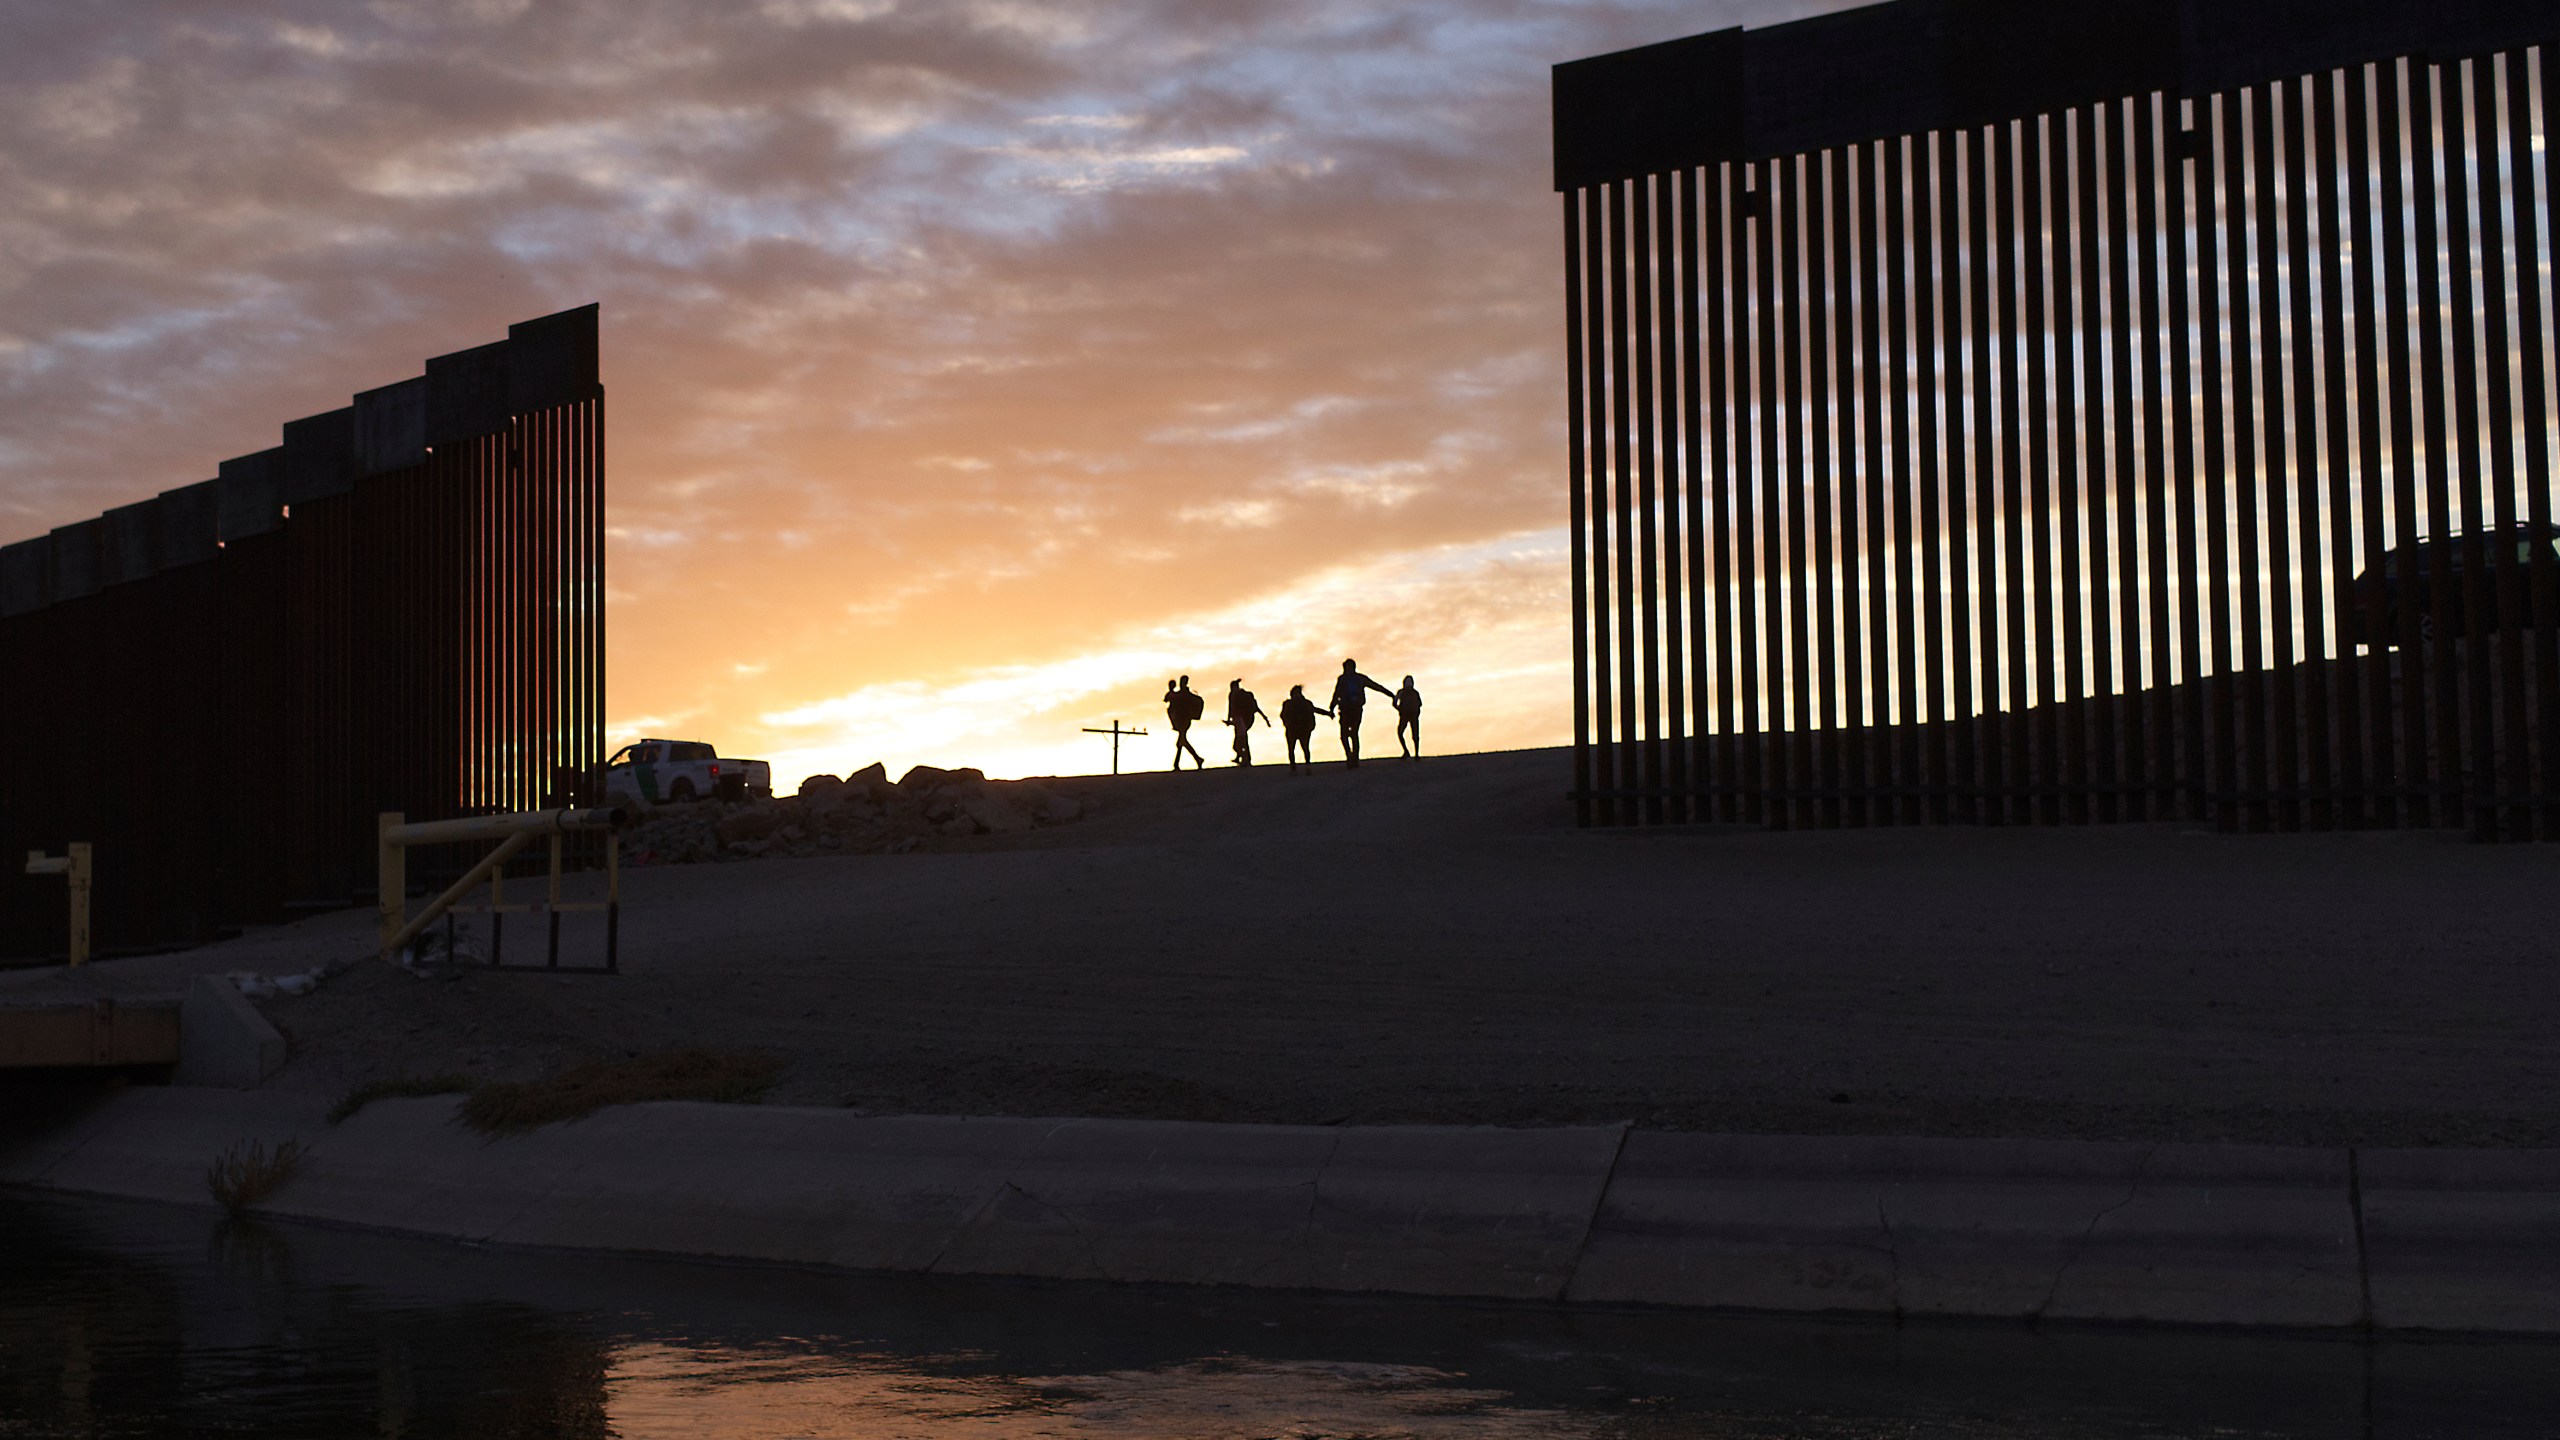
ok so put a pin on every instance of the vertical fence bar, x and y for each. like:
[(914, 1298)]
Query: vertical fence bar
[(1702, 776), (2188, 281), (2062, 779), (2246, 573), (2526, 122), (1901, 249), (2007, 582), (2443, 677), (1726, 376), (2277, 699), (2094, 695), (1595, 309), (1952, 613), (1766, 751), (1840, 613), (1815, 489), (1672, 280), (1644, 732), (2156, 277), (2343, 489), (1888, 691), (2214, 191), (1624, 778), (1972, 605), (2316, 774), (1792, 637), (1577, 444)]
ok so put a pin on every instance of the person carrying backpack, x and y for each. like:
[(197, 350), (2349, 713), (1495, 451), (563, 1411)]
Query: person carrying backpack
[(1241, 710), (1181, 707)]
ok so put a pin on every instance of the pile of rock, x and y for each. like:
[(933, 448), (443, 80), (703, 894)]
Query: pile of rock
[(860, 814)]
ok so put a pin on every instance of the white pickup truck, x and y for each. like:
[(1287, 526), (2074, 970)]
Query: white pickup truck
[(673, 772)]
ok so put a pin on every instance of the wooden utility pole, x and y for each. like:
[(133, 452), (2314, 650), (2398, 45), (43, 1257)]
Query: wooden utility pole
[(1115, 732)]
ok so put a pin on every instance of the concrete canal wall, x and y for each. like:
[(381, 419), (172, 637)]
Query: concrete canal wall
[(2063, 1230)]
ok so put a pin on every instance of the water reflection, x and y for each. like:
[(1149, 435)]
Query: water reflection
[(662, 1390), (138, 1321)]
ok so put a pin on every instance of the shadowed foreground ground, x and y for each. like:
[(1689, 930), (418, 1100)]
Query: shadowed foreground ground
[(1435, 942)]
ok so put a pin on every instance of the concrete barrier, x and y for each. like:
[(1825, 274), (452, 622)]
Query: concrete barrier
[(2189, 1234), (2463, 1239), (223, 1040), (2038, 1229), (156, 1143), (793, 1186), (1416, 1209)]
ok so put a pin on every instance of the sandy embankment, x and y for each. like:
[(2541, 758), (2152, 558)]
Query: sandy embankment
[(1436, 943)]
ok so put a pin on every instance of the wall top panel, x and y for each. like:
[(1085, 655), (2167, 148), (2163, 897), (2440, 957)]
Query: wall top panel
[(250, 495), (319, 456), (190, 524), (391, 427), (467, 393), (1844, 77), (552, 361), (544, 362), (75, 560), (1639, 111), (26, 576), (129, 543), (1912, 66)]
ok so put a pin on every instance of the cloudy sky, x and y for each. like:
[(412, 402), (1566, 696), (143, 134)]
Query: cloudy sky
[(973, 365)]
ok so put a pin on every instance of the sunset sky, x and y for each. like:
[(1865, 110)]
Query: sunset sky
[(973, 367)]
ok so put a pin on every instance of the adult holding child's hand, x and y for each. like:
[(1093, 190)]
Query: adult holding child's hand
[(1351, 692)]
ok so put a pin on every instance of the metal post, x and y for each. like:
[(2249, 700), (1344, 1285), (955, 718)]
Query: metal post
[(613, 904), (552, 905), (73, 865), (470, 881), (391, 876), (79, 902)]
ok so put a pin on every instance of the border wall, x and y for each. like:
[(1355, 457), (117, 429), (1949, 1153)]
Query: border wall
[(400, 607), (1983, 411)]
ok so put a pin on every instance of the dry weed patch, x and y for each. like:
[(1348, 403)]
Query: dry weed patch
[(248, 1172), (397, 1087), (582, 1090)]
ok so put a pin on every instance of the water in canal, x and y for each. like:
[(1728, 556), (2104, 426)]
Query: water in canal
[(126, 1320)]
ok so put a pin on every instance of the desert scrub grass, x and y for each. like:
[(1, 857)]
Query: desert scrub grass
[(396, 1087), (582, 1090), (248, 1172)]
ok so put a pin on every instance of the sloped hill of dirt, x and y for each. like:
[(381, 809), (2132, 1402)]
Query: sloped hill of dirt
[(1437, 942)]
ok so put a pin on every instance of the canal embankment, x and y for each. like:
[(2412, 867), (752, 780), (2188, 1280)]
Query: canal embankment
[(2039, 1230)]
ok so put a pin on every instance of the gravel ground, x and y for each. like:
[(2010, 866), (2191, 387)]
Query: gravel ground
[(1435, 942)]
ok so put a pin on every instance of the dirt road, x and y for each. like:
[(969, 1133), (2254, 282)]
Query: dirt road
[(1435, 942)]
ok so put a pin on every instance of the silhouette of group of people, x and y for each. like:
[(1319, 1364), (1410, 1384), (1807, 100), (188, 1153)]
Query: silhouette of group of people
[(1183, 707)]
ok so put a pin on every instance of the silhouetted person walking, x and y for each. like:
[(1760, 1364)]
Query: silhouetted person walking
[(1181, 707), (1241, 710), (1409, 719), (1298, 726), (1351, 692)]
